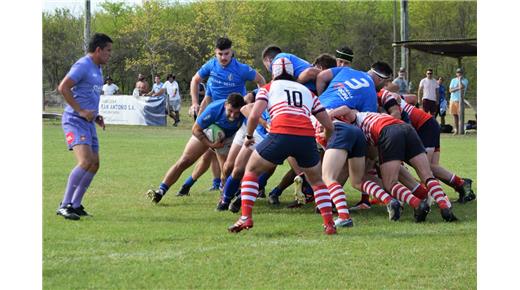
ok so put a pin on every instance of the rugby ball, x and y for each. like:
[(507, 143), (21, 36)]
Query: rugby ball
[(214, 133)]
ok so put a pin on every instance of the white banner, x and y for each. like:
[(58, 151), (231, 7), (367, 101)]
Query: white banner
[(130, 110)]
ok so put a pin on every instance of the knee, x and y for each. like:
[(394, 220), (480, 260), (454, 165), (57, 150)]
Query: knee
[(184, 162), (238, 172)]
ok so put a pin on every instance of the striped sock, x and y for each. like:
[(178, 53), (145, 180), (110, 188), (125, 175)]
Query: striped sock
[(249, 192), (340, 200), (456, 181), (435, 191), (322, 199), (420, 191), (376, 191), (402, 193)]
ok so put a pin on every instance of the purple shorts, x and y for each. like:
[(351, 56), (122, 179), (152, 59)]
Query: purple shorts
[(79, 131)]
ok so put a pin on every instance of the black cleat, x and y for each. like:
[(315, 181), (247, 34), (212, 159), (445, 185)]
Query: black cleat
[(235, 205), (394, 210), (222, 206), (81, 211), (447, 215), (273, 199), (68, 212), (422, 211), (155, 195), (184, 191), (465, 192), (261, 193)]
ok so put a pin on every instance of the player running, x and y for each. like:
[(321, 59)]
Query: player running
[(290, 105)]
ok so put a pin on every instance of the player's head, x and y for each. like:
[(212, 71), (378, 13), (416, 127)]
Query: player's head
[(108, 80), (380, 71), (324, 61), (250, 97), (268, 55), (344, 56), (223, 50), (100, 47), (402, 72), (157, 79), (234, 103), (390, 86), (440, 80), (170, 77), (459, 72), (282, 69), (429, 73)]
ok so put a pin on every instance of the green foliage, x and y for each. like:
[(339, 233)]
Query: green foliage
[(172, 36), (183, 244)]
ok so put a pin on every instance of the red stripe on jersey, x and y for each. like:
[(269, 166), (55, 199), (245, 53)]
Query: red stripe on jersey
[(373, 123), (383, 96), (417, 116)]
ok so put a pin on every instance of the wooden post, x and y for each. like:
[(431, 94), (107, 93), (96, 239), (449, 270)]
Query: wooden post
[(461, 102)]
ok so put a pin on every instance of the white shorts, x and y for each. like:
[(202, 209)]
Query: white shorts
[(174, 105), (224, 150), (241, 134)]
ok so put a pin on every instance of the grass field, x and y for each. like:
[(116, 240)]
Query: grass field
[(183, 242)]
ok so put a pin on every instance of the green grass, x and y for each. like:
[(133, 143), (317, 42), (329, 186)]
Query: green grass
[(183, 242)]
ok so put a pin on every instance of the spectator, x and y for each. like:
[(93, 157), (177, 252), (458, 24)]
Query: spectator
[(443, 104), (458, 86), (141, 86), (404, 87), (174, 98), (429, 90), (158, 89), (109, 88)]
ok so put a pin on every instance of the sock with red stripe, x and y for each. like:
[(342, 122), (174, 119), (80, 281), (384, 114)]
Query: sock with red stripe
[(249, 192), (322, 199), (402, 193), (420, 191), (435, 191), (339, 199), (376, 191)]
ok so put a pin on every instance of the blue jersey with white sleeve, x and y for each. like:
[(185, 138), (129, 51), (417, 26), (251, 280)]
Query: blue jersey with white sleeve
[(352, 88), (299, 66), (88, 84), (215, 113), (223, 81)]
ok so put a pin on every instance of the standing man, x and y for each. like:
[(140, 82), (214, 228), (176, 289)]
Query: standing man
[(458, 86), (109, 88), (429, 90), (174, 98), (443, 103), (404, 87), (141, 86), (81, 89), (158, 89)]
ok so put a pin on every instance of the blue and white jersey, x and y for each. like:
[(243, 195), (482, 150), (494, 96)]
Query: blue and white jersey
[(455, 96), (223, 81), (299, 66), (88, 84), (352, 88), (260, 129), (215, 113), (157, 87)]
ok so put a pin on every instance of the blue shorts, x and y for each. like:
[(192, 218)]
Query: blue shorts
[(430, 134), (78, 131), (350, 138), (277, 147)]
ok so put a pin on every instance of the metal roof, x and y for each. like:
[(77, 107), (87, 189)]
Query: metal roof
[(446, 47)]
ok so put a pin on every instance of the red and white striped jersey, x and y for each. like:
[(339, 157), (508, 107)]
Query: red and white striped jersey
[(373, 123), (290, 106), (387, 99), (417, 116)]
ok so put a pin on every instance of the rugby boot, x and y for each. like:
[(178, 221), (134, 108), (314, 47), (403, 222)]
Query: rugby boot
[(81, 211), (394, 210), (465, 192), (361, 205), (155, 195), (67, 212), (447, 215), (241, 224), (343, 223), (330, 229), (184, 191), (299, 196), (422, 211), (222, 206), (261, 193), (273, 199)]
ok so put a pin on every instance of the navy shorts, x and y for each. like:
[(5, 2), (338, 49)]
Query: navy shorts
[(399, 142), (78, 131), (350, 138), (430, 134), (277, 147)]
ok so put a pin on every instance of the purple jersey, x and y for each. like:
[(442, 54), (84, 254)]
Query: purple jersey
[(88, 83)]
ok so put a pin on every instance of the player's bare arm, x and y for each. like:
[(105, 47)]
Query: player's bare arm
[(253, 119), (198, 133), (259, 80), (194, 92), (65, 88), (326, 123), (322, 80)]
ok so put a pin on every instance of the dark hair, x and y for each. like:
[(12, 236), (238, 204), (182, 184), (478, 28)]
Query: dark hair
[(223, 43), (271, 51), (325, 61), (235, 100), (382, 68), (157, 75), (98, 40), (429, 70), (345, 53), (170, 76)]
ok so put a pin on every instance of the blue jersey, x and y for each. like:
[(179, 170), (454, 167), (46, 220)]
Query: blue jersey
[(223, 81), (157, 87), (215, 113), (299, 66), (88, 84), (260, 129), (352, 88)]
